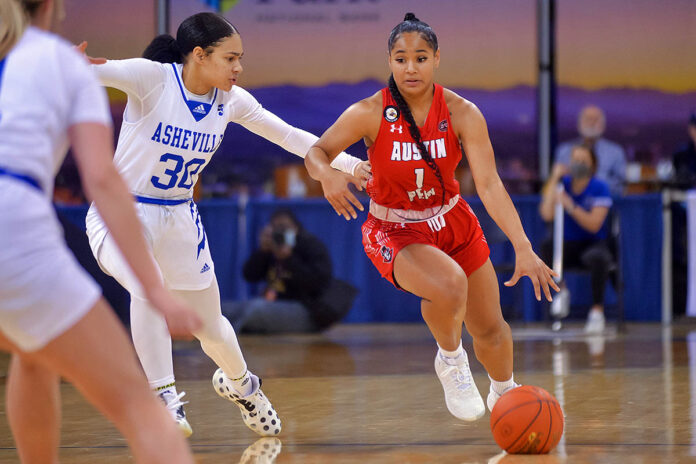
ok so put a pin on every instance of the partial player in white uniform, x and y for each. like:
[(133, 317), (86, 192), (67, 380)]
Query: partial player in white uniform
[(181, 97), (52, 316)]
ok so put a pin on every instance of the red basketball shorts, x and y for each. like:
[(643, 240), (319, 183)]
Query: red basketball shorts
[(456, 232)]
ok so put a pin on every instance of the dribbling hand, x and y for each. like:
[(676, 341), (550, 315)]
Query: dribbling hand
[(182, 321), (527, 263)]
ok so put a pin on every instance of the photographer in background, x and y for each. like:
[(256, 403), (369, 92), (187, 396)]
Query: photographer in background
[(300, 293)]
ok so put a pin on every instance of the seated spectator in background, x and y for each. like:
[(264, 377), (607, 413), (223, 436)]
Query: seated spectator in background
[(586, 202), (611, 158), (300, 293), (684, 163), (684, 159)]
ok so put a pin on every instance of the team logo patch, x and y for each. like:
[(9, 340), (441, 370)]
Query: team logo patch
[(442, 125), (387, 253), (391, 113)]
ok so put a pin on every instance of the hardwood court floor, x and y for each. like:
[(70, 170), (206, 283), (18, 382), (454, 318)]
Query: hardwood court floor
[(368, 394)]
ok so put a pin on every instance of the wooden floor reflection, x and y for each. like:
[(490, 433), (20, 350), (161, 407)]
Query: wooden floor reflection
[(368, 394)]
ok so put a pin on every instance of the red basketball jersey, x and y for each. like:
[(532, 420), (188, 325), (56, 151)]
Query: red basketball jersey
[(400, 177)]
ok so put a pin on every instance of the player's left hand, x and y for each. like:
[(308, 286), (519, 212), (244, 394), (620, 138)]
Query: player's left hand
[(82, 49), (527, 263)]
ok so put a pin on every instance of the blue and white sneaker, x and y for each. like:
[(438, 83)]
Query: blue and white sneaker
[(175, 406)]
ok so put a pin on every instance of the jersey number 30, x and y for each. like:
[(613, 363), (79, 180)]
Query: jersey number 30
[(189, 169)]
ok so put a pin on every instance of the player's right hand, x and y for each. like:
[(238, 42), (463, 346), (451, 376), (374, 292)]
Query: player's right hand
[(182, 321), (82, 50), (336, 190)]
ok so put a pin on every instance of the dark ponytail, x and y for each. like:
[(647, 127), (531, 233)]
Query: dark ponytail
[(164, 49), (204, 30)]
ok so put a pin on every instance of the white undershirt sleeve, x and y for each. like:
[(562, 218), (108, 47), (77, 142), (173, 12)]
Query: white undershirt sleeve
[(141, 79), (248, 112)]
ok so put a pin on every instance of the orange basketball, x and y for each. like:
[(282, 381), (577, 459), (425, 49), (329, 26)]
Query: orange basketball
[(527, 420)]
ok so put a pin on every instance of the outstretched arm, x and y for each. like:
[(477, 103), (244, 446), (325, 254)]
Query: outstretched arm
[(141, 79), (246, 111), (472, 131), (351, 126)]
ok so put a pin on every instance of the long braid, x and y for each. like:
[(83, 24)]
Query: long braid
[(415, 133)]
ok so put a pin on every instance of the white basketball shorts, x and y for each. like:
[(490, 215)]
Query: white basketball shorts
[(43, 289), (178, 242)]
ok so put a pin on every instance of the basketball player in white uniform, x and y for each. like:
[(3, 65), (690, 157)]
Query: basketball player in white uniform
[(52, 316), (180, 101)]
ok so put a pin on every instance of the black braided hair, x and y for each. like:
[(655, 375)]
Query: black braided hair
[(413, 24)]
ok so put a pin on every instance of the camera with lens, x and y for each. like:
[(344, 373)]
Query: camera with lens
[(282, 236)]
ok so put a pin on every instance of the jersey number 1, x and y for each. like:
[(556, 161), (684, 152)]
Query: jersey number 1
[(419, 177)]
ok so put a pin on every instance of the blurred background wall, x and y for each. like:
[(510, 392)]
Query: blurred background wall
[(307, 60)]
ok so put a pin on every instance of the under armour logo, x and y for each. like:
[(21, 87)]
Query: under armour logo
[(395, 128)]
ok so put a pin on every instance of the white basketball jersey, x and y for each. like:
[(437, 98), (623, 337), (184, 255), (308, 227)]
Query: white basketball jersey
[(161, 154), (45, 87)]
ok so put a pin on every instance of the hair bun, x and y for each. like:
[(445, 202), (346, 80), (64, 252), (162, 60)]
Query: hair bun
[(173, 44), (410, 17)]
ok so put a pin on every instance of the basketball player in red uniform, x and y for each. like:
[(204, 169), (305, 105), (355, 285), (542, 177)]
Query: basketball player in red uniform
[(420, 234)]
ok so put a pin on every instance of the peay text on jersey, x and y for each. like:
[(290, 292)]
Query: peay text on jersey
[(186, 139)]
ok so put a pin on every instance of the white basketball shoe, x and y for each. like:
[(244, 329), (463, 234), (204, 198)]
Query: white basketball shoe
[(461, 395), (176, 408), (257, 411), (494, 396)]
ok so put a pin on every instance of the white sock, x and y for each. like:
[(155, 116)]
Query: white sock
[(500, 387), (243, 384), (453, 357)]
